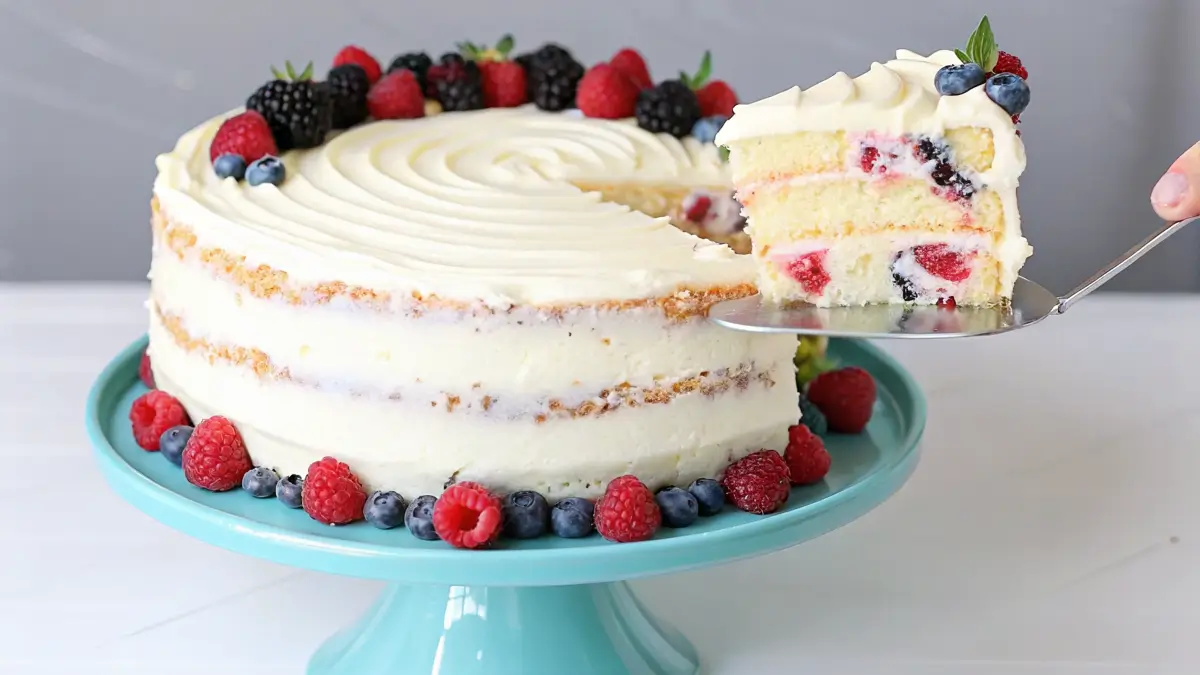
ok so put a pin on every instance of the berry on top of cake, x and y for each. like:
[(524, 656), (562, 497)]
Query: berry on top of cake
[(895, 186)]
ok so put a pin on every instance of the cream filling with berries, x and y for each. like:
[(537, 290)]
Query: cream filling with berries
[(898, 98)]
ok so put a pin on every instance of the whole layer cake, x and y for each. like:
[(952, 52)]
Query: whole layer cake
[(895, 186), (492, 295)]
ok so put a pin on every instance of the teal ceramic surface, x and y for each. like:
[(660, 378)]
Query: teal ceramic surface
[(542, 607)]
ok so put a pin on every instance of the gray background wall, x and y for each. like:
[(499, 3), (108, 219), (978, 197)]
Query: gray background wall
[(92, 90)]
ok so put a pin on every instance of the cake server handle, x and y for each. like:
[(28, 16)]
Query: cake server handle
[(1117, 266)]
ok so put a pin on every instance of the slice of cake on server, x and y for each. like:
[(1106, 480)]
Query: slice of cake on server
[(896, 186)]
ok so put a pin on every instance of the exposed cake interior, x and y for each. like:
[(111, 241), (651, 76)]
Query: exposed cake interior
[(893, 207)]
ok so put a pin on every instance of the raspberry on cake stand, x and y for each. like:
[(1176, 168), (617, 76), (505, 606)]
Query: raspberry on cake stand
[(542, 606), (1030, 304)]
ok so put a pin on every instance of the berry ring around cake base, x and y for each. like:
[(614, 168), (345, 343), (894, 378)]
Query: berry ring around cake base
[(537, 607)]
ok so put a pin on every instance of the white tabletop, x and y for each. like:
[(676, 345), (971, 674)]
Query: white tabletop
[(1052, 527)]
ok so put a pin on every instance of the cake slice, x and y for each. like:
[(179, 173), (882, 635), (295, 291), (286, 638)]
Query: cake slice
[(896, 186)]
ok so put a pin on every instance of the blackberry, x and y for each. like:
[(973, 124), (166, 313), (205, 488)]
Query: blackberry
[(297, 109), (417, 62), (928, 151), (670, 108), (907, 290), (943, 172), (552, 75), (457, 84), (348, 87)]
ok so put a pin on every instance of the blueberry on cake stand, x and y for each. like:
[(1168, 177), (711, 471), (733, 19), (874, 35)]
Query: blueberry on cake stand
[(1030, 304), (544, 606)]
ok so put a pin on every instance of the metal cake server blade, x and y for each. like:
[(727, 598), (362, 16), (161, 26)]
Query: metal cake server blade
[(1030, 304)]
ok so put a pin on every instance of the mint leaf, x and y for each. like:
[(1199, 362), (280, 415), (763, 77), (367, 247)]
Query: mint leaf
[(705, 70), (505, 45), (962, 56), (702, 74), (723, 153), (981, 46)]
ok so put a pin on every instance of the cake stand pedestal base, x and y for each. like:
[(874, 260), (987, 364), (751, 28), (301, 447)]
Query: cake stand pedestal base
[(591, 629)]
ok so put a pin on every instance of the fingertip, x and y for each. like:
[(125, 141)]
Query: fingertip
[(1173, 196), (1177, 194)]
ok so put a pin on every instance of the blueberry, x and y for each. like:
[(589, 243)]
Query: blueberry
[(1009, 92), (710, 496), (958, 79), (171, 443), (679, 507), (526, 515), (419, 518), (384, 510), (289, 490), (269, 169), (705, 129), (812, 417), (230, 165), (571, 518), (260, 482)]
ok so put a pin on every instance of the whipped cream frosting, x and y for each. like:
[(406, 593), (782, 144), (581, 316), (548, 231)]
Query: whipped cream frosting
[(478, 206), (896, 98)]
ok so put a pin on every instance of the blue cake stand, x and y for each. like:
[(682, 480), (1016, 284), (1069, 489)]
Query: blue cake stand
[(540, 607)]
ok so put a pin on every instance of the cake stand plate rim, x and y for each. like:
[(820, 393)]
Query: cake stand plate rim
[(597, 561)]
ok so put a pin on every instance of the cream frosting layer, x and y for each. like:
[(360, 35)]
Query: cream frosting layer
[(523, 356), (478, 206), (416, 449), (897, 98)]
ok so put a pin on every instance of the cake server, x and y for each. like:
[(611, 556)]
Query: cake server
[(1031, 303)]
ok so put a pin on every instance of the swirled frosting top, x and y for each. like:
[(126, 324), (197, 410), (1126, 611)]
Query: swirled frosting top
[(896, 97), (470, 206)]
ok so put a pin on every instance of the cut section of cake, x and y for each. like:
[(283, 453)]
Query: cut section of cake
[(896, 186)]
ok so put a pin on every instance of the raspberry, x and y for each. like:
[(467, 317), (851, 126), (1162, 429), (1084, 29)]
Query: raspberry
[(332, 494), (627, 511), (630, 63), (846, 396), (868, 159), (467, 516), (1007, 63), (396, 96), (809, 271), (716, 98), (606, 92), (503, 84), (144, 373), (807, 459), (215, 456), (943, 262), (153, 413), (358, 56), (246, 135), (758, 483), (699, 208)]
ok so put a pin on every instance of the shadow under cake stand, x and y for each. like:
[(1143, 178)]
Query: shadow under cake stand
[(546, 606)]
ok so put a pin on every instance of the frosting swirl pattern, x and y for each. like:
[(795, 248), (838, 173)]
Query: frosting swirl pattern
[(470, 206)]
